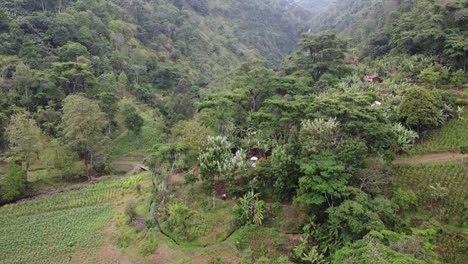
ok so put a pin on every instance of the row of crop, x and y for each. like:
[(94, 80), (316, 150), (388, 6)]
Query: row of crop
[(449, 138), (96, 194), (47, 237), (436, 185)]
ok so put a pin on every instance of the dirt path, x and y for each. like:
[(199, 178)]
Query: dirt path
[(432, 158)]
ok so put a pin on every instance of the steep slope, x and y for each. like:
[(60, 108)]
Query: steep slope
[(146, 39), (432, 28)]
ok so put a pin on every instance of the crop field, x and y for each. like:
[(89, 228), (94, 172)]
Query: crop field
[(449, 138), (445, 183), (53, 236), (60, 228)]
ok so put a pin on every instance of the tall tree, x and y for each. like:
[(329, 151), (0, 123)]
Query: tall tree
[(83, 128), (133, 121), (24, 79), (326, 54), (24, 136)]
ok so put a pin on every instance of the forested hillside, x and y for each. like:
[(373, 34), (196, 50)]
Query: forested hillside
[(50, 49), (433, 28), (233, 131)]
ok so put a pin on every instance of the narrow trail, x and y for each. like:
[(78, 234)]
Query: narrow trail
[(432, 158)]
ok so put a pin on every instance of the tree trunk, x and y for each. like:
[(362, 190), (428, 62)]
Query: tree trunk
[(28, 164)]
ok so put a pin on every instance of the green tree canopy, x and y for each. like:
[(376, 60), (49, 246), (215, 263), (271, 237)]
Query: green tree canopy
[(418, 108), (83, 128), (24, 136)]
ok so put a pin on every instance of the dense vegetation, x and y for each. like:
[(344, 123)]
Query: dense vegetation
[(259, 149)]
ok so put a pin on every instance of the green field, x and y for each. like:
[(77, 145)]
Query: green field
[(449, 179), (441, 191), (450, 137), (64, 227)]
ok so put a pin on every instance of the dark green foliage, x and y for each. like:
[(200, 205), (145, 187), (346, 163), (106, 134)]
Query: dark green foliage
[(71, 51), (419, 108), (133, 121), (13, 184), (323, 183), (352, 153), (386, 247), (72, 77), (4, 21)]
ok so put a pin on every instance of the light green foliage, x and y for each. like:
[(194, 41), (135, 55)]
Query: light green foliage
[(434, 74), (25, 138), (129, 211), (100, 193), (181, 220), (13, 183), (459, 78), (50, 229), (249, 210), (214, 158), (191, 133), (354, 220), (24, 80), (83, 125), (62, 158), (71, 51), (324, 181), (319, 135), (448, 180), (54, 237), (304, 252), (405, 137), (449, 138), (385, 247), (418, 108), (404, 199), (284, 172)]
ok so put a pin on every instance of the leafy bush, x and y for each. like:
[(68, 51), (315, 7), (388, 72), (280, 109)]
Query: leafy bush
[(249, 210), (181, 221), (404, 199), (14, 183), (130, 211)]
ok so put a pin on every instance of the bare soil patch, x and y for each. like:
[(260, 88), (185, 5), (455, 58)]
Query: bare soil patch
[(432, 158)]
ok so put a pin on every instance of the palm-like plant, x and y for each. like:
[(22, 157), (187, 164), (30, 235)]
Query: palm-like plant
[(250, 209), (405, 137)]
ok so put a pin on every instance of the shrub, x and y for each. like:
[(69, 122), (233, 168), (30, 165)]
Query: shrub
[(130, 211), (148, 247), (14, 183), (181, 221), (249, 209), (404, 199), (464, 149)]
